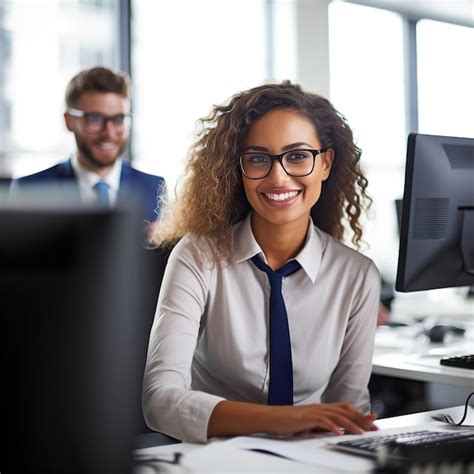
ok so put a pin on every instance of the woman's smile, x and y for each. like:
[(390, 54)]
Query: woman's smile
[(281, 197)]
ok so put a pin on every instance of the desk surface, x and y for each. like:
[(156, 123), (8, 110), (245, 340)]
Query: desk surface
[(220, 457), (405, 353)]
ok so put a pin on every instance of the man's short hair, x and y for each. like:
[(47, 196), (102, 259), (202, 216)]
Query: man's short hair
[(97, 79)]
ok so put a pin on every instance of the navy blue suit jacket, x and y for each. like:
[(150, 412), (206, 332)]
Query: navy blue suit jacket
[(146, 187)]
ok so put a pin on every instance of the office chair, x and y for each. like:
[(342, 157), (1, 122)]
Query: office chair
[(155, 261)]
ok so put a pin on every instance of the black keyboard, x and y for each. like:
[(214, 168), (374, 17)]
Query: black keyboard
[(463, 362), (418, 446)]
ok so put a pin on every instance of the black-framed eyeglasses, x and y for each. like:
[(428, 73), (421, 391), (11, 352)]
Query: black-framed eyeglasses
[(296, 163), (95, 122)]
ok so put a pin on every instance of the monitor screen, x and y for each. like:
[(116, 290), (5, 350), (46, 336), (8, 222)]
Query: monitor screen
[(437, 228), (72, 339)]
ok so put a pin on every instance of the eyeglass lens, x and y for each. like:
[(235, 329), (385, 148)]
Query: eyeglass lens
[(96, 122), (295, 162)]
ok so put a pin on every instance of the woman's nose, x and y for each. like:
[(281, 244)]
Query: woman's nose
[(277, 174)]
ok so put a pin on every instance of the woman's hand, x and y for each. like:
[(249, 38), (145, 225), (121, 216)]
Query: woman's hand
[(334, 417), (235, 418), (383, 315)]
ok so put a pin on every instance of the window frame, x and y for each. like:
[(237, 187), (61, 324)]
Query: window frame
[(410, 18)]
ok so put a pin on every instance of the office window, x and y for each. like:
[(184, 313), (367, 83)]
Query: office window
[(48, 42), (445, 79), (284, 46), (187, 56), (367, 86)]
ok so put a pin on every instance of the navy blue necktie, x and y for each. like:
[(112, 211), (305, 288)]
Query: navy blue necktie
[(101, 189), (280, 391)]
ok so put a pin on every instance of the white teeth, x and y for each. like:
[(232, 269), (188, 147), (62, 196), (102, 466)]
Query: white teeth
[(281, 196), (106, 145)]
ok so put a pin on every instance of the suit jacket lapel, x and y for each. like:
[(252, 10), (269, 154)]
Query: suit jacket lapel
[(125, 175), (65, 170), (67, 179)]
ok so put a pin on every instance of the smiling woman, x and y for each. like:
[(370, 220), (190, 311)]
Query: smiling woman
[(283, 196), (213, 165), (265, 320)]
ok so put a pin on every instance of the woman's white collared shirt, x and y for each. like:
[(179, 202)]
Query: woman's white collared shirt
[(209, 340)]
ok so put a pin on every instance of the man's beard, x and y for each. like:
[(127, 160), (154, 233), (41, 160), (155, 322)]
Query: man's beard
[(86, 152)]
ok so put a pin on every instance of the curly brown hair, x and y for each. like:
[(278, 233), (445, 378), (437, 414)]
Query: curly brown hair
[(212, 197)]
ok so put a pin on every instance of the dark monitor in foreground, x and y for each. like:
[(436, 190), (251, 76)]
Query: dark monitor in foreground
[(71, 342), (437, 228)]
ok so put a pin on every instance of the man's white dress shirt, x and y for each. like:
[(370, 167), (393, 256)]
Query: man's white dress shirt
[(87, 179), (209, 340)]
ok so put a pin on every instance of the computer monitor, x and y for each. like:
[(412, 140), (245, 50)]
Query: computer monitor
[(437, 228), (72, 339)]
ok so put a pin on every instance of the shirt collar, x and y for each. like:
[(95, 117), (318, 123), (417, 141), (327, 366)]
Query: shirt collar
[(89, 179), (245, 247)]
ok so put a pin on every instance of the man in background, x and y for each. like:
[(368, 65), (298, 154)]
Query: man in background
[(98, 114)]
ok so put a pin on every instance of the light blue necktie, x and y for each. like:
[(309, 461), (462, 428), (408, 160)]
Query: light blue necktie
[(101, 189), (280, 391)]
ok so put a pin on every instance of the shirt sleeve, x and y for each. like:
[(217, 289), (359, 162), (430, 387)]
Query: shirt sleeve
[(169, 404), (349, 380)]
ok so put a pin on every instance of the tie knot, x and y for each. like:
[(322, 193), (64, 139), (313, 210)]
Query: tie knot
[(288, 269), (101, 189)]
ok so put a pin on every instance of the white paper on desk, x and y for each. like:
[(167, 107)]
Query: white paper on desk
[(219, 457), (312, 451)]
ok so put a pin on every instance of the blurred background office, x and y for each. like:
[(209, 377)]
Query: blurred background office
[(391, 67)]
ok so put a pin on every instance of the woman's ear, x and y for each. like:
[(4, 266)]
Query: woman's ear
[(326, 159)]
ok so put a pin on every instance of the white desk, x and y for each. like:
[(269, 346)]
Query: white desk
[(406, 353), (403, 353), (218, 457)]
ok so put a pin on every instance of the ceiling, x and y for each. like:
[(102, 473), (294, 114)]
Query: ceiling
[(453, 11)]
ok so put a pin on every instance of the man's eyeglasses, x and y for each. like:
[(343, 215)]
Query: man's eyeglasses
[(95, 122), (296, 163)]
